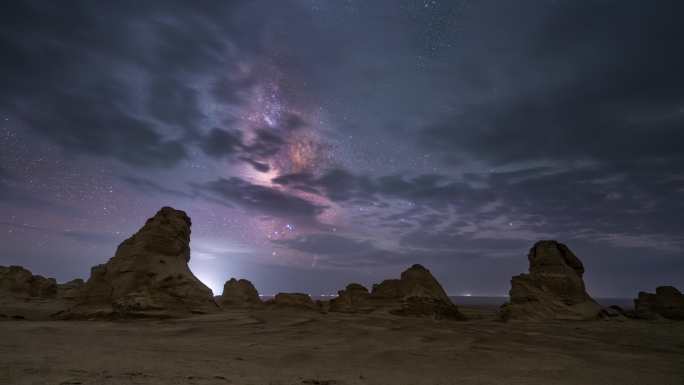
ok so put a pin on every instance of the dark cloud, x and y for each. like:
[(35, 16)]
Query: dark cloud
[(127, 94), (220, 142), (80, 236), (262, 199), (328, 244), (343, 186), (231, 145), (90, 125), (339, 251), (93, 237), (174, 103), (13, 195), (590, 202), (292, 122), (259, 166), (229, 91), (595, 80), (149, 186), (266, 144), (336, 184)]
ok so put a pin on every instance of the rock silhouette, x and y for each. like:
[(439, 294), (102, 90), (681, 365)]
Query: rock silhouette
[(148, 275), (553, 289), (239, 293), (667, 302)]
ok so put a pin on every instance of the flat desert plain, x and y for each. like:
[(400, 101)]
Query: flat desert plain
[(293, 346)]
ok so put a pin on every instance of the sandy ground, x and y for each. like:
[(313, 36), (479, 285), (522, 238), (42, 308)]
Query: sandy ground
[(301, 347)]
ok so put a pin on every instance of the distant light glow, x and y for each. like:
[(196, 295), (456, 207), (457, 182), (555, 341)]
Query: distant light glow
[(211, 282)]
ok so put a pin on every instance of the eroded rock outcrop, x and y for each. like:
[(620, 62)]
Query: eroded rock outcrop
[(299, 300), (148, 275), (18, 282), (70, 290), (415, 293), (416, 281), (353, 299), (25, 296), (428, 307), (239, 293), (553, 289), (667, 302)]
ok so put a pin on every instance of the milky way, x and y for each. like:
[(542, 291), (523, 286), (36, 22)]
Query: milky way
[(319, 143)]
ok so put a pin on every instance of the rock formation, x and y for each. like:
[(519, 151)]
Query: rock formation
[(15, 281), (667, 302), (239, 293), (354, 298), (148, 275), (553, 289), (300, 300), (416, 281), (428, 307), (27, 296), (70, 290), (416, 293)]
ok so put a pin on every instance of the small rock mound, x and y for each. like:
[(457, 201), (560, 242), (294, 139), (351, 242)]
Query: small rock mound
[(239, 293), (667, 302), (417, 293), (416, 281), (554, 288), (354, 298), (15, 281), (299, 300), (148, 276)]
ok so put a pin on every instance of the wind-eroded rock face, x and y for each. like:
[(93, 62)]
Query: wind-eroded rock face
[(553, 289), (148, 275), (15, 281), (239, 293), (416, 293), (667, 302), (354, 298)]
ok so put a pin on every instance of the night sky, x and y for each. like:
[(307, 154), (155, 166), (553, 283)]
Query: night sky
[(317, 143)]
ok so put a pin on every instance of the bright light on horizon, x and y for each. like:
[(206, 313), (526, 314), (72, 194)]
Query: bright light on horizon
[(215, 286)]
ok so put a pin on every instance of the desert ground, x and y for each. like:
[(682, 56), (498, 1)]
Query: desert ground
[(296, 346)]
